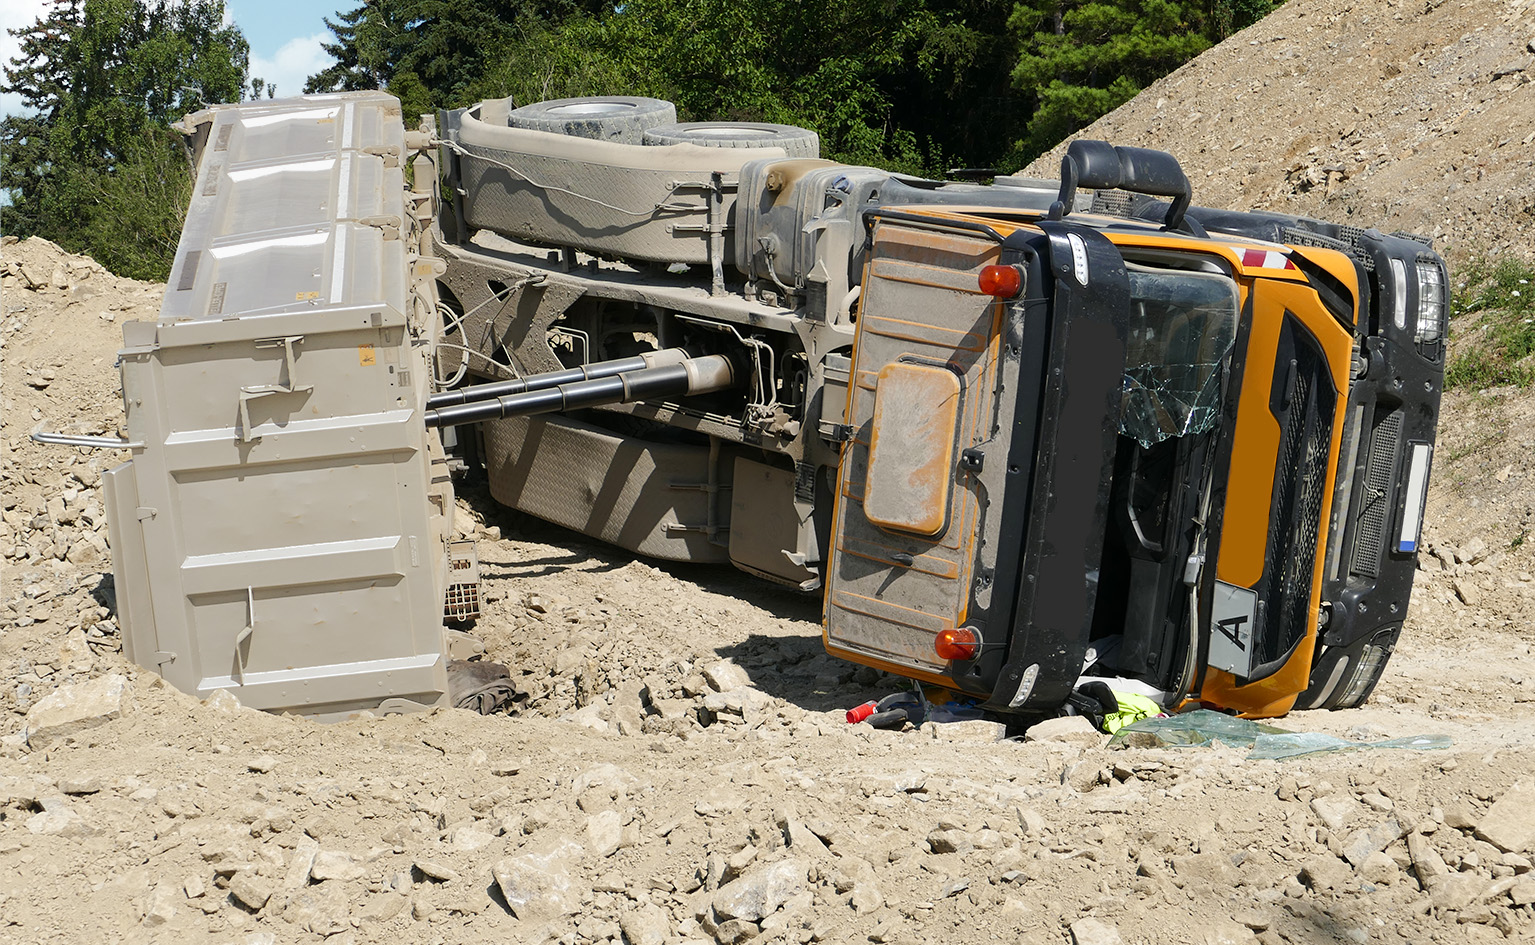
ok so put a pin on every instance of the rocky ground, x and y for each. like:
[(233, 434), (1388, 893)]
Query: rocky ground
[(678, 768)]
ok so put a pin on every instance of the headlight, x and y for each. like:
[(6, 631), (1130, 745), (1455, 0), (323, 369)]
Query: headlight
[(1432, 307)]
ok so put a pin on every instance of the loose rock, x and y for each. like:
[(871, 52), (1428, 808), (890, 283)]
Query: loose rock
[(1361, 843), (432, 869), (539, 884), (645, 925), (725, 676), (605, 832), (251, 890), (332, 865), (1069, 729), (761, 892), (1094, 932), (1335, 810), (1510, 823), (77, 707)]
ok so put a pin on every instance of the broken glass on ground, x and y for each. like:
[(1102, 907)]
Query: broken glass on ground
[(1202, 727)]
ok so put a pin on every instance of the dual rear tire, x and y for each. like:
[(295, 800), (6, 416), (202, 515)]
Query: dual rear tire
[(622, 119)]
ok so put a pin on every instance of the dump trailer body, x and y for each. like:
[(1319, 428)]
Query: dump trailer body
[(281, 530)]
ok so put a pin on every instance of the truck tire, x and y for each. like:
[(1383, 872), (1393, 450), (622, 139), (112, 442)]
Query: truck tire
[(798, 142), (619, 118)]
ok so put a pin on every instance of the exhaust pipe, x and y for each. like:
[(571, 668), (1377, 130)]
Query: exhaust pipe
[(687, 376), (585, 372)]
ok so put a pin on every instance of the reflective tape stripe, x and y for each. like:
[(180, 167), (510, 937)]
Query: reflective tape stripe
[(1417, 493), (1263, 259)]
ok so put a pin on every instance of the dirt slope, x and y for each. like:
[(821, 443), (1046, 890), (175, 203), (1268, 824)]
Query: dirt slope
[(1413, 115), (679, 769)]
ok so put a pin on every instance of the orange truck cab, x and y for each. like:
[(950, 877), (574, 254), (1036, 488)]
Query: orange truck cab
[(1148, 441)]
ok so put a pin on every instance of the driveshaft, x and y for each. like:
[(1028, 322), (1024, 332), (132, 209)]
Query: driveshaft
[(688, 376), (584, 372)]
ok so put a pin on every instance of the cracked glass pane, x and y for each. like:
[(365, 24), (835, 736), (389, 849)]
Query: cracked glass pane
[(1182, 325)]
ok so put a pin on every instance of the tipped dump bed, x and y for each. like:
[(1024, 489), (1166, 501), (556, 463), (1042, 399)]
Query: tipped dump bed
[(280, 531)]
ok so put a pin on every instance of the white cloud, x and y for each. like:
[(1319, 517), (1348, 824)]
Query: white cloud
[(295, 61), (298, 59), (15, 14)]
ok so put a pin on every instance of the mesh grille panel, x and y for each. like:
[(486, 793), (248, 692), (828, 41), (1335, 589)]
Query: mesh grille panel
[(1370, 532), (1305, 415), (1112, 202), (1347, 242)]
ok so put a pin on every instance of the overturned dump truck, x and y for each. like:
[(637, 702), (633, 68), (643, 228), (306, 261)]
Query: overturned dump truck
[(1016, 434)]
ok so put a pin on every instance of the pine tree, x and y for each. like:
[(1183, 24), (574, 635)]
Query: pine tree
[(1083, 58), (427, 53), (93, 164)]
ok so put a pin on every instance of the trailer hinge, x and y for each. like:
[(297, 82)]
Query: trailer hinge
[(388, 152), (161, 657), (972, 459), (144, 511), (388, 223)]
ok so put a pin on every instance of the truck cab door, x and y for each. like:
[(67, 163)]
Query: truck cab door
[(1279, 491)]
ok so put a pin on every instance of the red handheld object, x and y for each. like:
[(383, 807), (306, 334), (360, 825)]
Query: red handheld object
[(860, 712)]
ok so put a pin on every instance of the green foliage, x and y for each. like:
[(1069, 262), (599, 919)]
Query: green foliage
[(1081, 59), (1492, 312), (93, 165), (427, 53), (906, 83), (826, 66), (151, 185), (913, 85)]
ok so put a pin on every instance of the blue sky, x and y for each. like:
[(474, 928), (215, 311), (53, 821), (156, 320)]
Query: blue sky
[(284, 35)]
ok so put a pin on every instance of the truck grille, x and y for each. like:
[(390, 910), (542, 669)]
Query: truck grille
[(1370, 532), (1305, 413)]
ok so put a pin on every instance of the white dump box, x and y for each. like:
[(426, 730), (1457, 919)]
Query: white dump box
[(281, 529)]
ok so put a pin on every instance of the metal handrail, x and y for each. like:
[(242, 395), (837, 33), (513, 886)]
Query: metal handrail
[(39, 435)]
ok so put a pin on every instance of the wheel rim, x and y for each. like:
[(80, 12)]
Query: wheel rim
[(731, 132), (585, 109)]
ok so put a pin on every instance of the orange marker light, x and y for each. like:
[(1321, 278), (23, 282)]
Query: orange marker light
[(957, 643), (1003, 282)]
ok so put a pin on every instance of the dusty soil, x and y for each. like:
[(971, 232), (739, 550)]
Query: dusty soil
[(674, 811), (1412, 115), (679, 769)]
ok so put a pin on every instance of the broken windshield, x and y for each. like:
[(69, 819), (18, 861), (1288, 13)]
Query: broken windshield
[(1182, 324)]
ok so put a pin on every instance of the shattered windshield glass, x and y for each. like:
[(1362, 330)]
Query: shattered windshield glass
[(1182, 324)]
